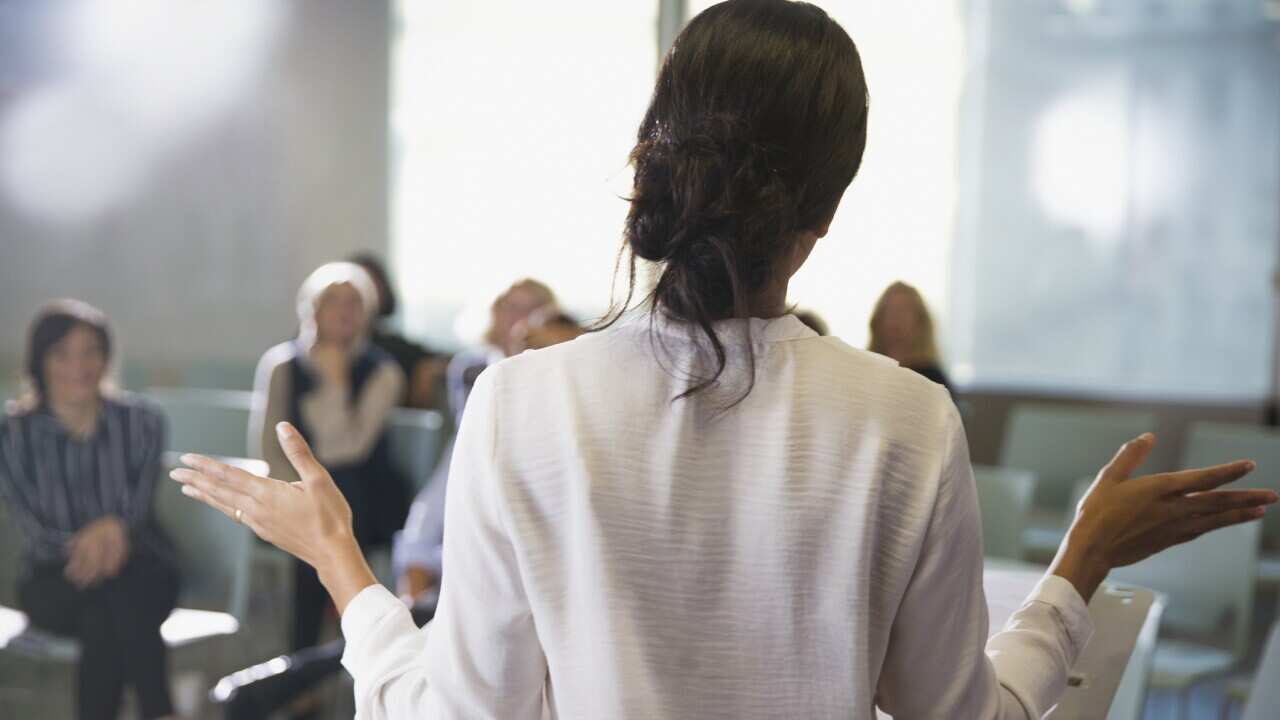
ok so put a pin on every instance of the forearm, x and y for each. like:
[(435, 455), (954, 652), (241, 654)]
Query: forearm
[(345, 573)]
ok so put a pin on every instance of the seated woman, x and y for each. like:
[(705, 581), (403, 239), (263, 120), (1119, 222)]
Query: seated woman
[(338, 390), (902, 328), (78, 469)]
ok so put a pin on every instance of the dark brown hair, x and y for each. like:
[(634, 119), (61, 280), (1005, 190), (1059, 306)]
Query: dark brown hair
[(387, 301), (52, 323), (757, 125)]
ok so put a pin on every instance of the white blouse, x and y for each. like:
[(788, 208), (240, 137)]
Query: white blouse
[(814, 551)]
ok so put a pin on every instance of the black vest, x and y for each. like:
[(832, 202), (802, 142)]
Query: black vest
[(377, 492)]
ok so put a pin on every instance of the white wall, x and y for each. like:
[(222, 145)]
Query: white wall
[(204, 261)]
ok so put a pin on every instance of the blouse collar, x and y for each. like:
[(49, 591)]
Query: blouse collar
[(768, 330)]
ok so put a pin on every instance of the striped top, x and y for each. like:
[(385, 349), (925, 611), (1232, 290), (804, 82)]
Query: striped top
[(55, 483)]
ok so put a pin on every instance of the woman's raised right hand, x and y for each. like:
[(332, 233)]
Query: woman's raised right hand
[(1122, 519), (309, 519)]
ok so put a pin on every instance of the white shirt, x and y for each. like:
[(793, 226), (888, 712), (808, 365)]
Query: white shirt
[(811, 552)]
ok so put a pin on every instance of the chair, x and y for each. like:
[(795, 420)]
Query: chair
[(1130, 699), (213, 558), (1061, 444), (415, 438), (219, 375), (213, 422), (1208, 584), (1004, 496), (1264, 699), (1214, 443)]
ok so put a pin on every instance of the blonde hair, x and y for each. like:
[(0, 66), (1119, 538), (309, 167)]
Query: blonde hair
[(924, 348), (320, 281), (542, 294)]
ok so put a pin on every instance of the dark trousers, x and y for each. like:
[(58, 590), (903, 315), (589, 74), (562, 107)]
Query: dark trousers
[(310, 600), (117, 623)]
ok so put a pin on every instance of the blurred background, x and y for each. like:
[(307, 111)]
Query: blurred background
[(1085, 192)]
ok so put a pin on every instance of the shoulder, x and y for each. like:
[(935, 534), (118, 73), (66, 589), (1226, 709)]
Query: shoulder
[(277, 355), (274, 361), (863, 388), (11, 422), (863, 365), (384, 363), (585, 352), (139, 414)]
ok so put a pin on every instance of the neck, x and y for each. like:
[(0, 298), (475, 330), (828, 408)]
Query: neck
[(78, 416), (345, 347), (770, 302)]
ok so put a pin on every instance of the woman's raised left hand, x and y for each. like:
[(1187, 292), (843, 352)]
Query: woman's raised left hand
[(309, 519)]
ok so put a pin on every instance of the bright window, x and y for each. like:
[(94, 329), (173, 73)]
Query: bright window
[(1122, 174), (511, 123)]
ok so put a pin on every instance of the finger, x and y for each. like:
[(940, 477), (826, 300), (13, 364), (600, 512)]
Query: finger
[(72, 570), (1216, 501), (1193, 528), (299, 453), (229, 509), (229, 476), (246, 517), (79, 570), (76, 576), (226, 503), (227, 494), (1129, 458), (1202, 479)]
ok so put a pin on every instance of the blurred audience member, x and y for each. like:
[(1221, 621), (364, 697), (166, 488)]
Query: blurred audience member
[(813, 321), (546, 326), (78, 472), (524, 317), (423, 368), (338, 390), (505, 337), (902, 328)]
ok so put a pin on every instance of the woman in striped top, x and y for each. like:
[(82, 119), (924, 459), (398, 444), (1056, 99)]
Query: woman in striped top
[(77, 472)]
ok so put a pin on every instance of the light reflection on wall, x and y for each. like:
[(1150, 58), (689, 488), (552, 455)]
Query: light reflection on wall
[(138, 79)]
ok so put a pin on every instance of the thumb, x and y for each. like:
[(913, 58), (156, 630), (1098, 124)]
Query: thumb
[(1129, 458), (299, 453)]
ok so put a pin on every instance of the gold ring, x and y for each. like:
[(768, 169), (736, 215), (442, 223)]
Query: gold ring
[(239, 513)]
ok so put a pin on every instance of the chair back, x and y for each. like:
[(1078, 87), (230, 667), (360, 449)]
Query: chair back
[(1130, 700), (1004, 497), (415, 439), (212, 422), (219, 374), (1216, 443), (214, 551), (1264, 698), (1207, 584), (1061, 444)]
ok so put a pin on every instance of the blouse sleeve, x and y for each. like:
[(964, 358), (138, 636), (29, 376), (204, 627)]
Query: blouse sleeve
[(19, 494), (149, 445), (480, 657), (343, 433), (936, 666)]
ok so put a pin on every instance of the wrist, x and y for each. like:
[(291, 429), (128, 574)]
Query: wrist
[(344, 572), (1080, 562)]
